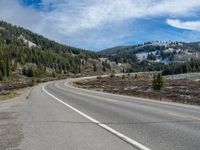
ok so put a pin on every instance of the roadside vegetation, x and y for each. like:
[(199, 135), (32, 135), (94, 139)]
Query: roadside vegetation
[(25, 53), (9, 94), (147, 85), (158, 82), (27, 58)]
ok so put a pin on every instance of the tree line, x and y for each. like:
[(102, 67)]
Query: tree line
[(15, 54), (178, 68)]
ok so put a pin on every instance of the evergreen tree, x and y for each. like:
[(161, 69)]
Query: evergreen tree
[(158, 82), (104, 68), (48, 54), (1, 76), (24, 71), (8, 68), (94, 67), (30, 72)]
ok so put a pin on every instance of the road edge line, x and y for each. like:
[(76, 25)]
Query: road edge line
[(135, 98), (104, 126)]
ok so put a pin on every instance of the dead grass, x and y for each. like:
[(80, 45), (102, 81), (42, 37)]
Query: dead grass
[(5, 95), (179, 90)]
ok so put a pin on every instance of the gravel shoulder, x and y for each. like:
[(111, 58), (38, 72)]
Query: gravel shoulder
[(10, 122)]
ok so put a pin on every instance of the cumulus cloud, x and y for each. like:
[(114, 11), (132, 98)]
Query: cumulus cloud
[(86, 15), (188, 25), (13, 12), (80, 19)]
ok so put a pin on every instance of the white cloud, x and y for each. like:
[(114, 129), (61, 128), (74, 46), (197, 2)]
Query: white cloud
[(12, 11), (71, 18), (189, 25), (80, 15)]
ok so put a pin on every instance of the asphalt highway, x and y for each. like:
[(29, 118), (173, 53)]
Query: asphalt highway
[(58, 116)]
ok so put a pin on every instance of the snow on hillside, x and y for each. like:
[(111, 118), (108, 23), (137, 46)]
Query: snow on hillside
[(2, 28), (141, 56), (30, 44), (162, 43), (191, 76), (179, 55), (157, 51)]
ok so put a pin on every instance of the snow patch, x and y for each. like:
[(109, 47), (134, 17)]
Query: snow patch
[(141, 56), (30, 44)]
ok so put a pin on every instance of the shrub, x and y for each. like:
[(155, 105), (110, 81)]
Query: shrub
[(53, 74), (1, 76), (112, 75), (158, 82), (136, 76), (99, 77), (33, 81)]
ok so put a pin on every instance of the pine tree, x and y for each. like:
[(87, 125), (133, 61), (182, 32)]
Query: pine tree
[(104, 68), (7, 66), (94, 67), (24, 71), (1, 76), (30, 72), (158, 82)]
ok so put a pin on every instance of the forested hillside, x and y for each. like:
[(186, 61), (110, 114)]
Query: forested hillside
[(158, 51), (26, 53), (170, 57)]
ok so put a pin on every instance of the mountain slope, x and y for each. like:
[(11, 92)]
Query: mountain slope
[(116, 50), (26, 53), (167, 56), (159, 51)]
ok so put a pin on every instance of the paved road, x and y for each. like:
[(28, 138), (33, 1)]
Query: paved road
[(58, 116)]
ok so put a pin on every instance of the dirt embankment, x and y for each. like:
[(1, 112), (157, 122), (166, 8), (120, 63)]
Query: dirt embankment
[(10, 90), (12, 86), (177, 90)]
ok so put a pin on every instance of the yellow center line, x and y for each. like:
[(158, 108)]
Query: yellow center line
[(177, 115), (97, 97), (183, 116), (195, 118), (92, 96), (113, 100)]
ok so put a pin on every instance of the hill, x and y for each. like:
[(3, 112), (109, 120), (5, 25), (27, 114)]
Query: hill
[(24, 53), (159, 51), (157, 55), (27, 54)]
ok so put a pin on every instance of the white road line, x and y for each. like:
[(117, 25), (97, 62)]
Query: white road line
[(104, 126), (184, 106)]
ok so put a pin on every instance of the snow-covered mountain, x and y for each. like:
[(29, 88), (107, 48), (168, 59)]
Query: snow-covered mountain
[(156, 51)]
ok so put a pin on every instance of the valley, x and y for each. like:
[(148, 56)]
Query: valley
[(99, 75), (28, 58)]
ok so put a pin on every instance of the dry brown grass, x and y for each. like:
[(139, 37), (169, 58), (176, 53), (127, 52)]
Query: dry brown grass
[(182, 90), (4, 95)]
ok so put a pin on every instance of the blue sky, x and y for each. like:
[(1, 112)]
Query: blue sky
[(99, 24), (35, 3)]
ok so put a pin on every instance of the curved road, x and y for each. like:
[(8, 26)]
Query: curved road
[(59, 116)]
